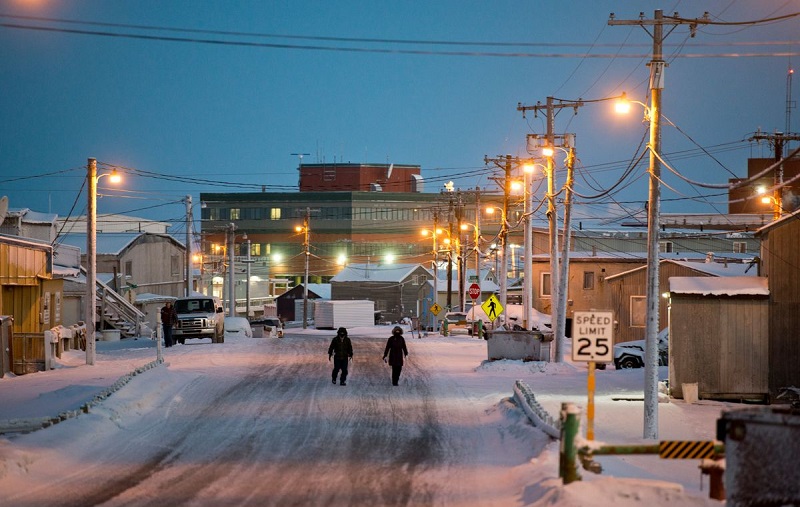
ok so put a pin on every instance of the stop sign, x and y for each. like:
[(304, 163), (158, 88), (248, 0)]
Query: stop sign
[(474, 291)]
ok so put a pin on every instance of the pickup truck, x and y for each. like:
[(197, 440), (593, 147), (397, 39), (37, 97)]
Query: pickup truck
[(199, 317)]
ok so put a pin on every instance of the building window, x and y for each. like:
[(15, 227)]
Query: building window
[(638, 311), (739, 247), (129, 268), (235, 213), (275, 214), (588, 280), (665, 246), (175, 265), (544, 285), (255, 249)]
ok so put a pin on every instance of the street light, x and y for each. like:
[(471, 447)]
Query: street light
[(306, 232), (653, 209), (91, 254)]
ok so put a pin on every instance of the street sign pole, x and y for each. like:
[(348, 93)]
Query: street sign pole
[(593, 342)]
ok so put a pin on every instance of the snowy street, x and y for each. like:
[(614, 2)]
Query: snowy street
[(258, 422)]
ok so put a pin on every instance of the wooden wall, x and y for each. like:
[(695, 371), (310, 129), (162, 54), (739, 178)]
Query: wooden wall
[(722, 343), (781, 264)]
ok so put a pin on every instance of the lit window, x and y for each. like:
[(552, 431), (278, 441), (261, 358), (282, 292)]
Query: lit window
[(275, 214)]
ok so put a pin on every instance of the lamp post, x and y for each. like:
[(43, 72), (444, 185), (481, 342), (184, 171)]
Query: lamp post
[(433, 234), (91, 255), (304, 229)]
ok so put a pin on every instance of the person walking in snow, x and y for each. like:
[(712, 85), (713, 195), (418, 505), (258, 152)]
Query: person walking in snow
[(341, 349), (169, 317), (396, 350)]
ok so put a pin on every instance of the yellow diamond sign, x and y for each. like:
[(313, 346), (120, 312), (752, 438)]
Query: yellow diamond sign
[(435, 308), (492, 307)]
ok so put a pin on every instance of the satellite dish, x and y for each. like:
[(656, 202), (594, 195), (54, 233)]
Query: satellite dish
[(3, 208)]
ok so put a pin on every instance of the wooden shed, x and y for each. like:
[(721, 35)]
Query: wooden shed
[(30, 295), (629, 290), (718, 336)]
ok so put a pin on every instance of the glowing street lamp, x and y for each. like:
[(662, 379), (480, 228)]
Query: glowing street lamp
[(91, 254)]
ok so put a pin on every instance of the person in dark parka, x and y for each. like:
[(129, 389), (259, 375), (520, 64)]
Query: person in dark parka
[(342, 351), (396, 350)]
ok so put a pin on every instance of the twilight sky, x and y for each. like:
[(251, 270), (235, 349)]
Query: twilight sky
[(214, 96)]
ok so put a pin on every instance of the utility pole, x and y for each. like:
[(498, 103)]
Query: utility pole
[(189, 263), (777, 140), (504, 163), (557, 299), (435, 263), (460, 255), (450, 254), (248, 261), (563, 277), (231, 274), (657, 67), (477, 301), (307, 253)]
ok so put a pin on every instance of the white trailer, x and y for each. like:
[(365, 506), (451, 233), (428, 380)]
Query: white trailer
[(343, 313)]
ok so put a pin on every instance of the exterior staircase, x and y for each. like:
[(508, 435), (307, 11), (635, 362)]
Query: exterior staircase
[(115, 312)]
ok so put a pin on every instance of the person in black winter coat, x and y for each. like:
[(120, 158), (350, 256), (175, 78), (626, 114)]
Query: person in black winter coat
[(169, 318), (342, 351), (396, 350)]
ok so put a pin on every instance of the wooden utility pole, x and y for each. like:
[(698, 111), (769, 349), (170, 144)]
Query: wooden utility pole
[(557, 285), (777, 140), (657, 67)]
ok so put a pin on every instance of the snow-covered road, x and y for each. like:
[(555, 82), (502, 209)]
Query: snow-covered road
[(258, 422)]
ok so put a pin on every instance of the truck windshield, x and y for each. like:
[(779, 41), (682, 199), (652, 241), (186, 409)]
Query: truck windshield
[(194, 305)]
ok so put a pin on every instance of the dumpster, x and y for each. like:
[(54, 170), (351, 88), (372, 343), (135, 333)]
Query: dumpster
[(525, 345), (762, 446)]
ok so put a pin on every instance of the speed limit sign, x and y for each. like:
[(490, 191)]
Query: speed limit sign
[(592, 336)]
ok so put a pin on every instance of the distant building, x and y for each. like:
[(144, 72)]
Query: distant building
[(337, 177)]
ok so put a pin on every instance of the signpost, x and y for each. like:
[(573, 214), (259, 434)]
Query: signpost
[(435, 309), (592, 342), (474, 291)]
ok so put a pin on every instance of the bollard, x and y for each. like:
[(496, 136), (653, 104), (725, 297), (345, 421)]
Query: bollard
[(570, 423), (715, 470)]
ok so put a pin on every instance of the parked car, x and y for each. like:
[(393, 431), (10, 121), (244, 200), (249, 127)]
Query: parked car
[(631, 354), (238, 326), (199, 317)]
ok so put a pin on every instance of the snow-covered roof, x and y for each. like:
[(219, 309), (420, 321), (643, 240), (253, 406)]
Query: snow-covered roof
[(33, 217), (719, 286), (322, 290), (111, 243), (376, 272), (65, 271), (712, 268)]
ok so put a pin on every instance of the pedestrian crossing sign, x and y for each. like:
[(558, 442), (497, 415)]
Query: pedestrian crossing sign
[(492, 307), (436, 309)]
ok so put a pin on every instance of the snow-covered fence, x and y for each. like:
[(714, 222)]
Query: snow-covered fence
[(536, 412)]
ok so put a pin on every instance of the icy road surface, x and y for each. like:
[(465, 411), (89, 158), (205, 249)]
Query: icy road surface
[(258, 422)]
